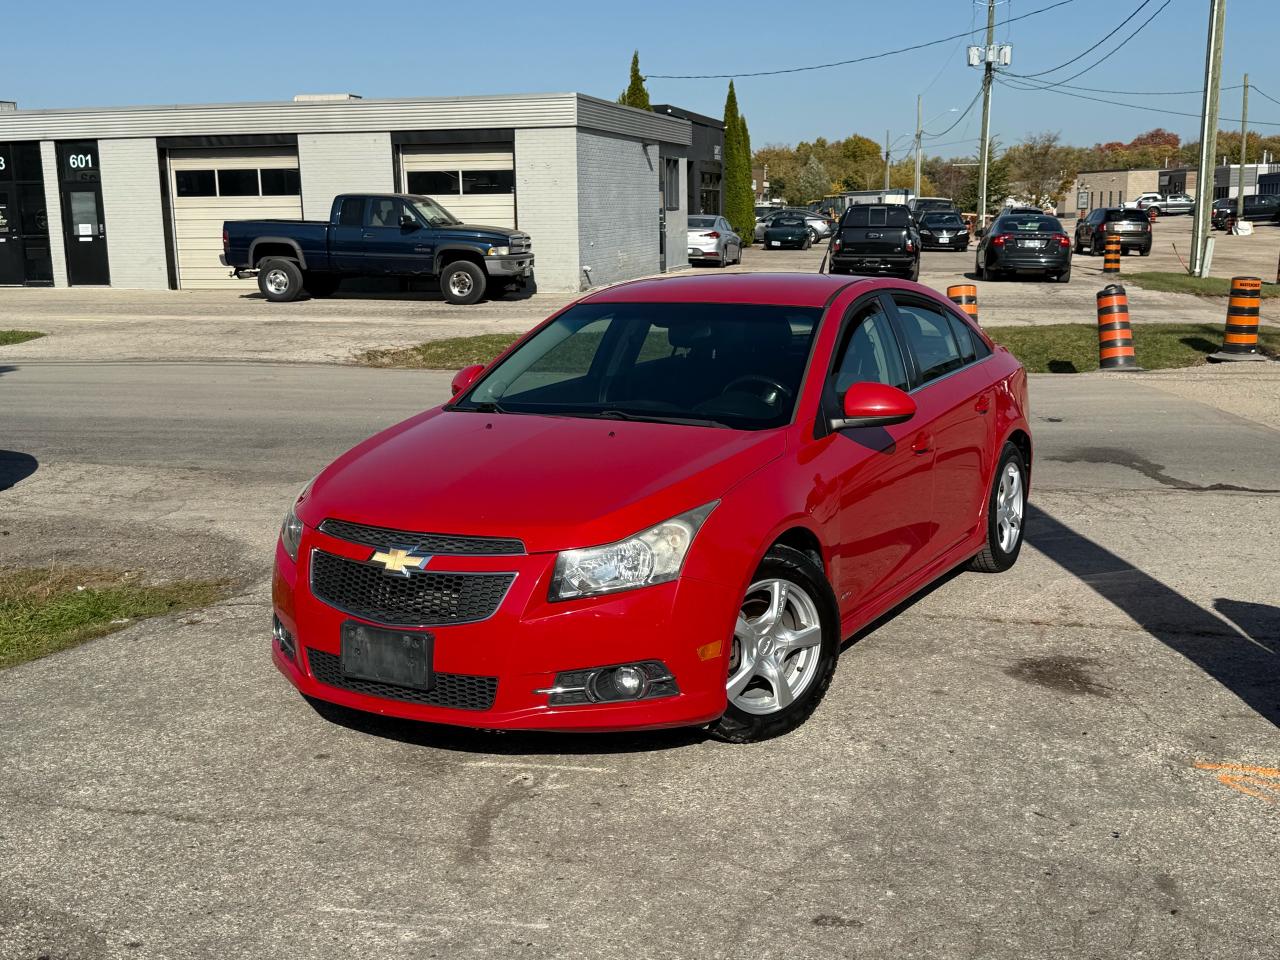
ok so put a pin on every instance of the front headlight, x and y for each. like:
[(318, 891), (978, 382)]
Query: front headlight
[(291, 534), (651, 556), (499, 251)]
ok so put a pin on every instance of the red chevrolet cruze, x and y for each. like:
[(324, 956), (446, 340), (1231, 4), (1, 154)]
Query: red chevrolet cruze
[(666, 505)]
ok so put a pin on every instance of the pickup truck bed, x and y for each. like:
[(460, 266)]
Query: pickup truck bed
[(376, 235)]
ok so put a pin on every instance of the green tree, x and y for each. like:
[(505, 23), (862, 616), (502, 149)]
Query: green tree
[(739, 199), (1041, 168), (635, 95), (812, 183), (998, 181)]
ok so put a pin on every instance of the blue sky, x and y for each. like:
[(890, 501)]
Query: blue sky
[(122, 52)]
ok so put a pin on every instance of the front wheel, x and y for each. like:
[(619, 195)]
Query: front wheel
[(280, 280), (785, 644), (1006, 508), (462, 282)]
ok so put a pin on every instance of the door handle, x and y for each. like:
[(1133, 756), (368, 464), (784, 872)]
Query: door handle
[(922, 444), (367, 236)]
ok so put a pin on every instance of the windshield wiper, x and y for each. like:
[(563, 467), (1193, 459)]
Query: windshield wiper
[(485, 406), (612, 414)]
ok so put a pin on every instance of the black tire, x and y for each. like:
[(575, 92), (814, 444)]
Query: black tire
[(914, 275), (993, 558), (788, 564), (1065, 275), (462, 282), (808, 242), (319, 285), (279, 280), (1079, 245), (979, 271), (1145, 251)]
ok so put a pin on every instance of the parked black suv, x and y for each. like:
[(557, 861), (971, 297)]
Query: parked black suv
[(1264, 207), (876, 238), (1133, 227), (1024, 243)]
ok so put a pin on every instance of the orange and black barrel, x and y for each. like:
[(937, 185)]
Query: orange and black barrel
[(1240, 341), (965, 296), (1115, 335), (1111, 255)]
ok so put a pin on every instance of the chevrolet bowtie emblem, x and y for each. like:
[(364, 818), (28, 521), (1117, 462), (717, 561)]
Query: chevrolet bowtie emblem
[(399, 562)]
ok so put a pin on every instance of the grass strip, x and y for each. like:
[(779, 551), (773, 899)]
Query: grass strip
[(46, 609), (1196, 286), (18, 336), (1073, 347)]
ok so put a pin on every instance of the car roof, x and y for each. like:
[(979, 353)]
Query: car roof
[(776, 289)]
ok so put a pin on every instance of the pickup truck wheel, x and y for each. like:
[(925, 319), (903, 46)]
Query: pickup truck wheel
[(462, 282), (280, 280)]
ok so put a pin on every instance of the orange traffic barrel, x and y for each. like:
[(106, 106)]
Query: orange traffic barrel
[(965, 296), (1240, 341), (1111, 255), (1115, 335)]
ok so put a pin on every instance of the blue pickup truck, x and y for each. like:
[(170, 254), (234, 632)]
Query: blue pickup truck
[(376, 234)]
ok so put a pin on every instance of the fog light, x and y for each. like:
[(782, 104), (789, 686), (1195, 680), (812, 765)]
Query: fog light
[(282, 637), (645, 680)]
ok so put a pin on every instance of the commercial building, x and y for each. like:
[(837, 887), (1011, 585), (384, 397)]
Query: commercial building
[(705, 174), (136, 196)]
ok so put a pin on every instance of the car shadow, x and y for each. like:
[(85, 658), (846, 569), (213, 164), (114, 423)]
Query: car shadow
[(16, 467), (506, 743), (1241, 652), (375, 288), (1062, 366)]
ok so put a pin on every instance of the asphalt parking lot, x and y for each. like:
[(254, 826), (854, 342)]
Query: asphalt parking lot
[(1075, 759)]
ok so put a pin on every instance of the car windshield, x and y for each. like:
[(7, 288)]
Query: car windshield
[(702, 364), (934, 205), (1027, 223), (701, 223), (942, 220), (432, 212), (1139, 215)]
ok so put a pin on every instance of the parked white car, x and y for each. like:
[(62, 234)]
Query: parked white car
[(712, 240)]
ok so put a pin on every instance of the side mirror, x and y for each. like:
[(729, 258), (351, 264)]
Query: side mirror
[(874, 405), (466, 377), (408, 223)]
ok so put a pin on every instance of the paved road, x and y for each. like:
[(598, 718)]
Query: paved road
[(1012, 766)]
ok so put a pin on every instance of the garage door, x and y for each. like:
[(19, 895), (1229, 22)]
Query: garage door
[(476, 184), (210, 186)]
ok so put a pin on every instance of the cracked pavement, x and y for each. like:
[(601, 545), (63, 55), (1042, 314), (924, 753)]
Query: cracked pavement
[(1023, 765)]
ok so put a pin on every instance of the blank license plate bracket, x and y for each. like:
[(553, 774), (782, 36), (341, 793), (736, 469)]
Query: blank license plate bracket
[(397, 657)]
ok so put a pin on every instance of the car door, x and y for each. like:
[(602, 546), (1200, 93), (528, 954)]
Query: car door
[(394, 238), (880, 476), (346, 237), (954, 399), (732, 245)]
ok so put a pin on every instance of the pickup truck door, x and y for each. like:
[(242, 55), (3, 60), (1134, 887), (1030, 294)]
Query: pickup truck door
[(396, 242), (346, 237)]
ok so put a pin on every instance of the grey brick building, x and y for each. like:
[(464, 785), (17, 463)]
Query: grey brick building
[(136, 196)]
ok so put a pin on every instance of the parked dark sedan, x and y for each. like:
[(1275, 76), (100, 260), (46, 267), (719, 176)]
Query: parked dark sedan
[(788, 232), (1133, 227), (1025, 243), (943, 231)]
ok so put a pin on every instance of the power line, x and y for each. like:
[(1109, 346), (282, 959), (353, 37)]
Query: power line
[(1130, 93), (845, 63), (1091, 49), (972, 103), (1020, 84), (1113, 52), (1254, 88)]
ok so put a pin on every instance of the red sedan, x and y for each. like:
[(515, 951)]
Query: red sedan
[(666, 505)]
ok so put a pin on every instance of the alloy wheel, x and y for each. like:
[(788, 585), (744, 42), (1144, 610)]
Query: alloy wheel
[(277, 281), (460, 283), (1009, 507), (777, 643)]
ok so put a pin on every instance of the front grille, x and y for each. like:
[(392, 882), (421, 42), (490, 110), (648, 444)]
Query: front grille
[(457, 690), (422, 599), (519, 243), (430, 543)]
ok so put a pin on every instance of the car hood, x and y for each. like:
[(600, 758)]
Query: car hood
[(474, 231), (553, 482)]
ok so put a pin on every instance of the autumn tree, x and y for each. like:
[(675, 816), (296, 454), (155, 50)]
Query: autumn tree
[(1041, 169)]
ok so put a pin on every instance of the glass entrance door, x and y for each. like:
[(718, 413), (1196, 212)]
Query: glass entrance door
[(11, 271), (85, 228)]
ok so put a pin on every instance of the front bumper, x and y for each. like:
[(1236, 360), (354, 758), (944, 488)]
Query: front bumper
[(525, 644), (785, 241), (517, 265), (958, 241)]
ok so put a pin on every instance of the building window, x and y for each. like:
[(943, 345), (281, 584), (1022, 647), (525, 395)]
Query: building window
[(433, 182), (238, 183), (671, 184), (488, 181), (195, 183), (281, 183)]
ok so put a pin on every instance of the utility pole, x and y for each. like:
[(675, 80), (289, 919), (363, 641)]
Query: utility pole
[(1208, 135), (919, 104), (886, 160), (988, 71), (1244, 146)]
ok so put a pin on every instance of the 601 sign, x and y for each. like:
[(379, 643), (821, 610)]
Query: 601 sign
[(80, 161)]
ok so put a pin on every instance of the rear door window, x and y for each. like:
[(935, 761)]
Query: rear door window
[(929, 338), (351, 213)]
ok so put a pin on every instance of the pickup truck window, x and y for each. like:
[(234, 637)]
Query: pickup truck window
[(433, 213), (352, 212), (384, 212)]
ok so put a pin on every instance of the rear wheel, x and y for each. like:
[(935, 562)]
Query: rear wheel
[(280, 280), (462, 282), (1145, 251), (1006, 508), (1065, 275), (784, 649), (915, 271), (979, 271)]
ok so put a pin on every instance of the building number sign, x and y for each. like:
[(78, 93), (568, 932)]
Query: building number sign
[(80, 161)]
